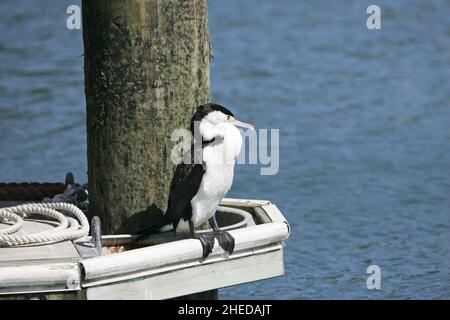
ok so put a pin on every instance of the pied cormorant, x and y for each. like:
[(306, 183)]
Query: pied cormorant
[(203, 177)]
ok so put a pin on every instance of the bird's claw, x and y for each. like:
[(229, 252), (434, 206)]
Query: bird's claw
[(207, 242), (226, 241)]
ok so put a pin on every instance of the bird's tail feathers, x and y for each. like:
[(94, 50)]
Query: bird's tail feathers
[(156, 222)]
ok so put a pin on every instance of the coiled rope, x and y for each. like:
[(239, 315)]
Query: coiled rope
[(73, 224)]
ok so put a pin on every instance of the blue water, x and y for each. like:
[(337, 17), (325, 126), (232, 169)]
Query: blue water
[(364, 130)]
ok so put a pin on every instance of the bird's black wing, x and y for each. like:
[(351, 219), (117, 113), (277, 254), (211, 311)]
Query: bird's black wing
[(185, 184)]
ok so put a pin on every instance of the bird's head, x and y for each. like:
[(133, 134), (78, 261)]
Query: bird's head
[(213, 114)]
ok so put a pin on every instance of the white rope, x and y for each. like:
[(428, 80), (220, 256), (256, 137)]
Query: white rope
[(73, 224)]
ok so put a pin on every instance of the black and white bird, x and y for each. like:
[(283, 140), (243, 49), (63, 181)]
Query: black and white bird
[(203, 177)]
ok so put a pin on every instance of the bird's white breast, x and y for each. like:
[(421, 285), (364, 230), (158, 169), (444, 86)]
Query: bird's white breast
[(220, 158)]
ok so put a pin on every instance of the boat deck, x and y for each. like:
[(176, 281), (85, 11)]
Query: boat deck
[(164, 267)]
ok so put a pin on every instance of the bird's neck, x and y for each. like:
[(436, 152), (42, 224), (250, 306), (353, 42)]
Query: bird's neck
[(226, 145)]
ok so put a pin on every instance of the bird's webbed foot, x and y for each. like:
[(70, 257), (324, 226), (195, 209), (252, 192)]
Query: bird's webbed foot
[(207, 241), (226, 241)]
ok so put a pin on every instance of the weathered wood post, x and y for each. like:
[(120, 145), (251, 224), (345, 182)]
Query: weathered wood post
[(146, 70)]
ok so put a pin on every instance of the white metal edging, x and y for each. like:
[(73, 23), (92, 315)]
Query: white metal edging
[(275, 215), (244, 202), (176, 255), (40, 278)]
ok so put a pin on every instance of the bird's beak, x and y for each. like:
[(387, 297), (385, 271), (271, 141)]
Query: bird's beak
[(240, 124)]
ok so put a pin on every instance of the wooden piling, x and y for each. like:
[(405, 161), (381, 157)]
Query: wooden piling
[(146, 70)]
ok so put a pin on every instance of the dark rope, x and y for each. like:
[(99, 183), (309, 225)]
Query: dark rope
[(29, 191)]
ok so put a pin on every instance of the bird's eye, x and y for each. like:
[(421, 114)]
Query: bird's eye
[(230, 118)]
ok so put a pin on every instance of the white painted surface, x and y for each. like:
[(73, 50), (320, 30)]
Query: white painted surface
[(262, 265)]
